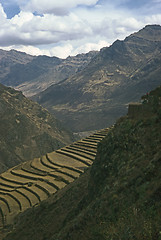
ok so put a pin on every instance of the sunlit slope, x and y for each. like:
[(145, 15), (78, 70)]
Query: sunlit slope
[(29, 183)]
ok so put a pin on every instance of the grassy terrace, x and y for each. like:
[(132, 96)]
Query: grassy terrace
[(84, 160), (82, 149), (82, 144), (29, 183), (79, 153), (72, 172), (56, 173), (65, 161)]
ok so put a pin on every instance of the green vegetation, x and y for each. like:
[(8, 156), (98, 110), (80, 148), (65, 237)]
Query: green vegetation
[(119, 197), (128, 175)]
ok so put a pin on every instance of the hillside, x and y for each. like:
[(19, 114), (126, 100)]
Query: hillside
[(26, 129), (119, 197), (31, 74), (28, 184), (96, 96)]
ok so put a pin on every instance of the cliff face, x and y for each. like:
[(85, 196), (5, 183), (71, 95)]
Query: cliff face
[(118, 198), (117, 75), (26, 129)]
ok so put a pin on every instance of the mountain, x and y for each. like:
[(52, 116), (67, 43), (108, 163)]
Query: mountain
[(32, 75), (96, 96), (9, 59), (119, 197), (26, 129)]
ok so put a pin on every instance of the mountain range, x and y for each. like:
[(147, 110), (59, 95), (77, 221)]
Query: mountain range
[(33, 74), (89, 91), (96, 96)]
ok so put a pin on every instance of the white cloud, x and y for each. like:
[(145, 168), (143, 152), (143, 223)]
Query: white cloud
[(25, 28), (90, 46), (75, 29), (32, 50), (29, 50), (66, 50), (22, 18), (2, 14), (57, 7), (61, 51), (153, 19)]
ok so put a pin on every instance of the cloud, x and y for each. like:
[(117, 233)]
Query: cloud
[(29, 50), (90, 46), (32, 50), (3, 15), (154, 18), (22, 18), (62, 51), (28, 29), (70, 27), (54, 6), (66, 50)]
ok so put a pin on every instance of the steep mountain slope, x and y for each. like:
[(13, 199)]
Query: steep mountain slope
[(38, 73), (32, 182), (119, 197), (99, 94), (26, 129)]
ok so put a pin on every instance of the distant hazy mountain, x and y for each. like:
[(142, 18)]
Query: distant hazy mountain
[(94, 97), (32, 75), (26, 129)]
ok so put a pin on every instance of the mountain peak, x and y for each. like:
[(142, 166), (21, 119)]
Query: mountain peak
[(149, 32), (153, 26)]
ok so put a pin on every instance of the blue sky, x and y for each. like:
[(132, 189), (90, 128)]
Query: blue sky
[(68, 27), (11, 8)]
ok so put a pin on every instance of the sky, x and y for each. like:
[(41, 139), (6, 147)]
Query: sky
[(69, 27)]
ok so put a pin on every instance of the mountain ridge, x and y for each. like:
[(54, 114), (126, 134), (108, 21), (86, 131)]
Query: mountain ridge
[(39, 72), (98, 91)]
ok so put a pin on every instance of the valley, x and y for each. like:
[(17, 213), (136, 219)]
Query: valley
[(80, 151)]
